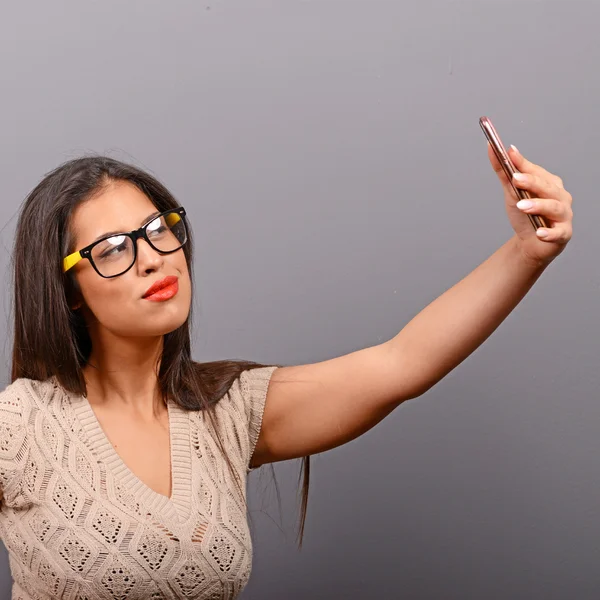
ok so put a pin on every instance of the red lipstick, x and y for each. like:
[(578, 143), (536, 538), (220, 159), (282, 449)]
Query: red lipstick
[(162, 290)]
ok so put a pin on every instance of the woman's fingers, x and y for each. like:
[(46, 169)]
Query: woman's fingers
[(560, 234), (555, 210), (526, 166), (541, 186), (559, 213)]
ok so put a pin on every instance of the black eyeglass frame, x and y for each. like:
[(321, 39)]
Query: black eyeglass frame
[(141, 233)]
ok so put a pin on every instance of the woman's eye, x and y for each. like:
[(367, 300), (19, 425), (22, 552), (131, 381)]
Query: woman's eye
[(113, 251), (157, 231), (114, 246)]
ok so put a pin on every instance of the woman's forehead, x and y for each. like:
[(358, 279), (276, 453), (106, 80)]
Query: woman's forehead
[(119, 207)]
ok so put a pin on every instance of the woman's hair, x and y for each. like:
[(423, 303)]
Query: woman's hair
[(51, 339)]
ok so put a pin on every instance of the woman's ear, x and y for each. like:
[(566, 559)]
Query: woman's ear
[(74, 297)]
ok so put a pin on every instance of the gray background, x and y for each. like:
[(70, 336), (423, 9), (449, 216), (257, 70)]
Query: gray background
[(329, 155)]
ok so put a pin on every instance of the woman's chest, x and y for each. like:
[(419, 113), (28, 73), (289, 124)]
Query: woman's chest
[(144, 448), (105, 548), (95, 520)]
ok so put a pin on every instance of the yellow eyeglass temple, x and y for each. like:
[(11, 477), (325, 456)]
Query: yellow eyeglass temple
[(71, 261), (172, 219)]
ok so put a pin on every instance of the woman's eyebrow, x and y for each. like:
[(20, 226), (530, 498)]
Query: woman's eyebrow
[(143, 222)]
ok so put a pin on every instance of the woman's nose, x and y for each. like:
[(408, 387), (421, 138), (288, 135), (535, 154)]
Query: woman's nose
[(148, 259)]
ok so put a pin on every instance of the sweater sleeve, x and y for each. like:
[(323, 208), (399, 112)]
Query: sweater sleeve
[(242, 411), (14, 442)]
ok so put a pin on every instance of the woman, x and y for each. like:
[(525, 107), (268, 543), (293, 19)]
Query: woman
[(123, 463)]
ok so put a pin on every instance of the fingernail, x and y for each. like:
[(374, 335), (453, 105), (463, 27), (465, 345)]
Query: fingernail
[(542, 233), (520, 177), (524, 204), (515, 148)]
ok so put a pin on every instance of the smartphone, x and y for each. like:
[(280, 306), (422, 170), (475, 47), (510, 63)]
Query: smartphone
[(502, 155)]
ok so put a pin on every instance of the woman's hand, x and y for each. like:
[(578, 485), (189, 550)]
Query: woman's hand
[(550, 200)]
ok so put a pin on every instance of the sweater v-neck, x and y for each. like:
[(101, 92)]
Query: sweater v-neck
[(179, 503)]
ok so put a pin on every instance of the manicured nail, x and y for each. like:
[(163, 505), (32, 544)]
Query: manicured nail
[(520, 177), (515, 148), (524, 204), (542, 233)]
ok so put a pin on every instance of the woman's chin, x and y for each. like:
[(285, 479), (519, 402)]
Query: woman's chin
[(157, 327)]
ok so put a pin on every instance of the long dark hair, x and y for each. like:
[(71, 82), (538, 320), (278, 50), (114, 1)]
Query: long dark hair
[(55, 342)]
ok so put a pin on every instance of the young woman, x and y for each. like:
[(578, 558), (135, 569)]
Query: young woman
[(123, 462)]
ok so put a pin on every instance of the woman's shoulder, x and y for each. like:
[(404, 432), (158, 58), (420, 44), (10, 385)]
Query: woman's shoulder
[(24, 395), (20, 404), (249, 389)]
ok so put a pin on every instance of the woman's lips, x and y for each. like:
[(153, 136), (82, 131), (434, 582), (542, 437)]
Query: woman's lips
[(162, 290), (164, 293)]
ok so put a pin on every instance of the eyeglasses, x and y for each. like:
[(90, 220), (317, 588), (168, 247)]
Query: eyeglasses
[(115, 254)]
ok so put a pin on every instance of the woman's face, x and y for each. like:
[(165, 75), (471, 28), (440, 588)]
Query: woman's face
[(117, 305)]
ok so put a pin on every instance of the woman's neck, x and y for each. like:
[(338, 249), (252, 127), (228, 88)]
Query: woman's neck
[(123, 374)]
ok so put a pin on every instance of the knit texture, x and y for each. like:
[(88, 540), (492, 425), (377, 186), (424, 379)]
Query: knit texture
[(78, 524)]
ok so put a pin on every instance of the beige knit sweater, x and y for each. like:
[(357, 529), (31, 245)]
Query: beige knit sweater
[(79, 524)]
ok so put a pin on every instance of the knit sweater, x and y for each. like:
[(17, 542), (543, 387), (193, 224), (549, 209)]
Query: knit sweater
[(78, 524)]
